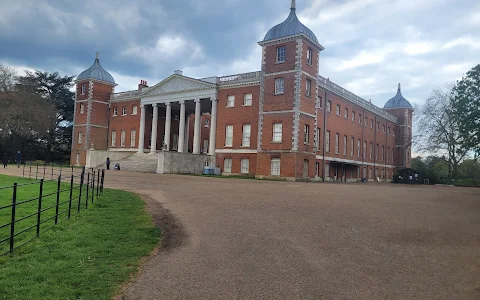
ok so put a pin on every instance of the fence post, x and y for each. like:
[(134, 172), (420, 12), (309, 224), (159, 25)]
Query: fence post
[(93, 185), (36, 175), (30, 172), (98, 182), (61, 173), (80, 193), (12, 225), (70, 199), (103, 179), (23, 171), (44, 169), (39, 206), (88, 186), (58, 200), (51, 177)]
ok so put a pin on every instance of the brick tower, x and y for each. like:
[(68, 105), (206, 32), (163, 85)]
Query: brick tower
[(93, 89), (288, 98), (402, 109)]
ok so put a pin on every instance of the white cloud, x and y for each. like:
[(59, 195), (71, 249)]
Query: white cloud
[(417, 48), (463, 41)]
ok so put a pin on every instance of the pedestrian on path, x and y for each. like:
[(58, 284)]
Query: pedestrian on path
[(5, 160), (108, 163), (18, 159)]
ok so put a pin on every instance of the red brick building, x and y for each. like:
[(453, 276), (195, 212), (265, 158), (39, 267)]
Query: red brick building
[(283, 121)]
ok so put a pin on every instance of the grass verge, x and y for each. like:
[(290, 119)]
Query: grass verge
[(87, 257)]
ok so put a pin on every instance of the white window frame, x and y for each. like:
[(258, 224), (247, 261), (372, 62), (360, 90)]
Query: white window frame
[(77, 160), (329, 106), (281, 56), (360, 119), (246, 133), (277, 135), (383, 152), (114, 138), (308, 87), (231, 101), (229, 136), (79, 137), (376, 152), (227, 165), (388, 154), (383, 126), (371, 150), (309, 56), (122, 138), (345, 145), (279, 85), (124, 111), (353, 116), (82, 89), (345, 113), (337, 109), (359, 147), (306, 134), (133, 136), (275, 164), (337, 138), (244, 166), (352, 146), (134, 110), (175, 141), (247, 99), (364, 149), (327, 141), (82, 107), (115, 111)]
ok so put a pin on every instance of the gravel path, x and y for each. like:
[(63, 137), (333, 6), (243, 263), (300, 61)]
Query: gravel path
[(246, 239)]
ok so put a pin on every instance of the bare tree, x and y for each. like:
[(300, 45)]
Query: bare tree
[(438, 129)]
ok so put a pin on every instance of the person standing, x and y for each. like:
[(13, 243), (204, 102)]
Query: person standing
[(18, 159), (108, 163), (5, 160)]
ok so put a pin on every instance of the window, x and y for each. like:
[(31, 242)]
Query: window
[(77, 160), (338, 109), (360, 118), (327, 170), (346, 113), (281, 51), (309, 56), (114, 138), (383, 153), (244, 165), (358, 148), (247, 100), (393, 131), (376, 152), (306, 134), (277, 132), (393, 155), (124, 111), (364, 149), (279, 86), (320, 102), (81, 108), (80, 137), (115, 111), (388, 130), (231, 101), (227, 165), (134, 110), (371, 150), (353, 116), (366, 121), (327, 142), (246, 135), (122, 138), (383, 128), (133, 135), (205, 144), (371, 123), (175, 142), (378, 126), (308, 90), (352, 146), (336, 143), (275, 167), (344, 145), (388, 153), (206, 123), (319, 138), (229, 136), (329, 106), (82, 91)]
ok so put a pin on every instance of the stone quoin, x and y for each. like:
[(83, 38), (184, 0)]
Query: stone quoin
[(284, 121)]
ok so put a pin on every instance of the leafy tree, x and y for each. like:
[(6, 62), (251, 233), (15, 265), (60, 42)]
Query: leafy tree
[(55, 89), (439, 130), (467, 108)]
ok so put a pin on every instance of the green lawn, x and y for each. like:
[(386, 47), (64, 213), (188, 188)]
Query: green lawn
[(86, 257)]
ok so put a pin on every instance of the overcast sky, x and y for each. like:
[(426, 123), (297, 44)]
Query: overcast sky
[(370, 45)]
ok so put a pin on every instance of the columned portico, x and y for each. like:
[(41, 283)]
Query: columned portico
[(153, 147), (141, 142), (168, 125), (181, 130)]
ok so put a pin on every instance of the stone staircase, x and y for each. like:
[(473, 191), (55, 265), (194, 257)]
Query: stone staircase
[(144, 163)]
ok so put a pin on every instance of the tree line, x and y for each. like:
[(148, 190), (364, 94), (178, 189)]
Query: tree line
[(36, 116), (448, 129)]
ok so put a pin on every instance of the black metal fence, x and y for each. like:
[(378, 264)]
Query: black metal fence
[(48, 195)]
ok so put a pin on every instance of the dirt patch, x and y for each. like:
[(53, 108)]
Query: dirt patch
[(172, 236)]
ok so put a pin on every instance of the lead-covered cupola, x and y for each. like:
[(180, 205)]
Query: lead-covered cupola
[(96, 72)]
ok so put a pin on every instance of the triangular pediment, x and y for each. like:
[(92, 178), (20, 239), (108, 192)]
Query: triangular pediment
[(177, 84)]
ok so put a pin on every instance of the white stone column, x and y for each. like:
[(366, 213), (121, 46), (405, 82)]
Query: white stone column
[(196, 131), (187, 133), (168, 125), (141, 137), (181, 129), (213, 128), (153, 147)]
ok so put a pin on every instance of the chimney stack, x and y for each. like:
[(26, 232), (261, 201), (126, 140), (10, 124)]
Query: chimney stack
[(143, 83)]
